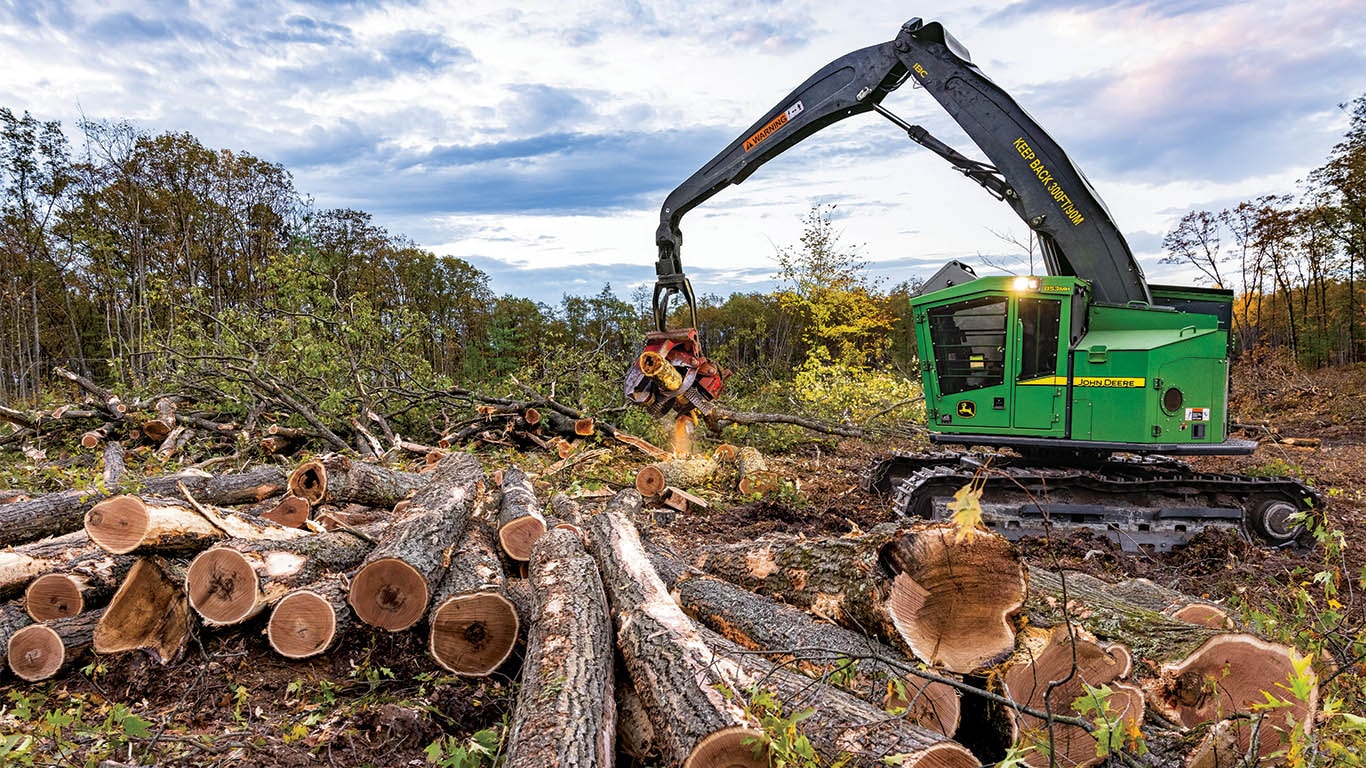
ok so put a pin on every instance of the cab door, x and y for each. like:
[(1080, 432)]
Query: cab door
[(1039, 369)]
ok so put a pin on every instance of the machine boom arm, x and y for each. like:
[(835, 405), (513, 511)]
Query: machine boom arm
[(1029, 171)]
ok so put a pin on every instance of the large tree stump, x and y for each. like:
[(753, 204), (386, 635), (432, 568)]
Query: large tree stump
[(238, 578), (842, 726), (133, 524), (679, 679), (474, 625), (947, 601), (337, 479), (869, 669), (396, 582), (566, 711), (54, 514), (520, 522), (40, 651), (149, 613), (309, 621)]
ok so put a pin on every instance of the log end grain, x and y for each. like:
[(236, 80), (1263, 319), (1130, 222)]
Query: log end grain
[(303, 624), (390, 594), (1205, 615), (518, 536), (727, 748), (945, 754), (222, 587), (309, 481), (927, 703), (53, 596), (118, 524), (952, 598), (291, 512), (473, 634), (650, 480), (36, 652)]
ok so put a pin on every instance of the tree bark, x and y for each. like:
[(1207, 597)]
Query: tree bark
[(944, 601), (520, 522), (54, 514), (40, 651), (824, 651), (131, 524), (309, 621), (679, 680), (337, 479), (85, 582), (566, 710), (21, 565), (149, 613), (842, 726), (692, 472), (396, 582), (474, 626), (238, 578), (12, 619)]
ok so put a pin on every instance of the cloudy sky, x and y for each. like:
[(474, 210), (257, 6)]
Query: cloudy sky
[(538, 139)]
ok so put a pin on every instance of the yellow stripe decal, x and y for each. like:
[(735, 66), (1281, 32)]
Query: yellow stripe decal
[(1112, 382)]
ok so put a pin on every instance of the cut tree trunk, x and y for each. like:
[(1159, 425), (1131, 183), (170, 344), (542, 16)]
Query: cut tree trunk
[(841, 726), (236, 579), (40, 651), (691, 472), (128, 524), (149, 613), (12, 619), (566, 710), (396, 582), (474, 625), (792, 637), (309, 621), (946, 601), (679, 679), (291, 512), (63, 512), (520, 522), (337, 479), (77, 586), (1050, 670), (21, 565)]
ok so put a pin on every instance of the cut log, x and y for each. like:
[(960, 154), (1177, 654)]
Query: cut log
[(159, 428), (635, 732), (40, 651), (63, 512), (309, 621), (394, 586), (869, 669), (149, 613), (80, 585), (679, 680), (680, 500), (841, 726), (1048, 672), (114, 466), (337, 479), (22, 564), (520, 522), (95, 437), (474, 626), (945, 601), (1229, 676), (237, 579), (291, 512), (12, 619), (566, 710), (752, 474), (127, 524), (692, 472)]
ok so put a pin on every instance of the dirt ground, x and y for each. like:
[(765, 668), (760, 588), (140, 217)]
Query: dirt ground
[(379, 700)]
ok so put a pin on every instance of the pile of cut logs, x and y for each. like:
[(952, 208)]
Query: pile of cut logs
[(918, 644)]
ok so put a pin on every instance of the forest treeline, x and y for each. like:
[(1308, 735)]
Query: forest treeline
[(151, 261)]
